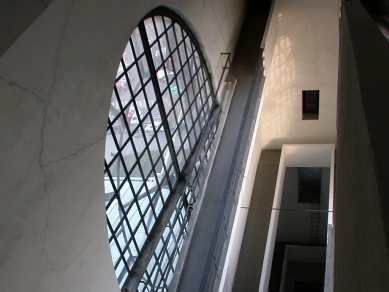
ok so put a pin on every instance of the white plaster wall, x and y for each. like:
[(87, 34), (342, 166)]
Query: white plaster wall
[(55, 87), (305, 57)]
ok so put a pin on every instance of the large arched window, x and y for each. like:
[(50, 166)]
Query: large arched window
[(161, 104)]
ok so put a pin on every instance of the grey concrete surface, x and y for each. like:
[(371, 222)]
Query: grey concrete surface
[(244, 62), (361, 185), (15, 18), (255, 234)]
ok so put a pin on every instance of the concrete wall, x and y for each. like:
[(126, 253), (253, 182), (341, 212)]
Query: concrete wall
[(55, 86), (362, 187), (15, 17), (305, 57)]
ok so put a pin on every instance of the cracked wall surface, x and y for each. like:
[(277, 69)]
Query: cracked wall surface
[(56, 79)]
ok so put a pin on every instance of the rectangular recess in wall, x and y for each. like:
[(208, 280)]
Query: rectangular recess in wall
[(310, 104)]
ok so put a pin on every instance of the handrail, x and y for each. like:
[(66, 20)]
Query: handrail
[(227, 65)]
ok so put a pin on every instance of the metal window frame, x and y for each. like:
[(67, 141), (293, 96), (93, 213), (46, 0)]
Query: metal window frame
[(176, 207)]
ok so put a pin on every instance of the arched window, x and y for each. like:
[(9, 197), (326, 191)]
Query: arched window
[(161, 104)]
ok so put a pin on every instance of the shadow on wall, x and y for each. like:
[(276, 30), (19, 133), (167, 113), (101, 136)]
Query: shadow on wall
[(254, 6)]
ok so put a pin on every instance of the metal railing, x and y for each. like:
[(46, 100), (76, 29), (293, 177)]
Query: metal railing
[(222, 232), (227, 66)]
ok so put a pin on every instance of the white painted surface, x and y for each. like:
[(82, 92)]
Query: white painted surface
[(305, 57), (55, 86), (301, 53), (271, 237), (288, 154), (309, 155)]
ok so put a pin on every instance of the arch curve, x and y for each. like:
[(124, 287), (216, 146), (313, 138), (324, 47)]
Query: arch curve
[(160, 107)]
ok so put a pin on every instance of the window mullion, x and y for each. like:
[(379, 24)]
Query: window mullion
[(158, 94)]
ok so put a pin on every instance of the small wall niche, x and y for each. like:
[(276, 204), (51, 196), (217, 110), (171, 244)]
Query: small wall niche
[(310, 104)]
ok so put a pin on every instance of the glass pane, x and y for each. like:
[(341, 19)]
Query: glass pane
[(181, 50), (133, 75), (114, 252), (150, 31), (149, 94), (144, 69), (168, 22), (140, 235), (178, 32), (120, 70), (128, 56), (156, 54), (164, 47), (171, 39), (123, 236), (159, 24), (165, 75), (189, 48), (114, 213), (137, 42)]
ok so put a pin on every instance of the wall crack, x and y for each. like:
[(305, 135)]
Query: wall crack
[(14, 84), (47, 164), (79, 254)]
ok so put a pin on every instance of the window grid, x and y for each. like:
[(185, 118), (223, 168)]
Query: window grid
[(181, 217), (161, 100)]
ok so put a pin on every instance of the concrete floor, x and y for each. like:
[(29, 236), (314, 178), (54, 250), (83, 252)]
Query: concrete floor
[(243, 64)]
